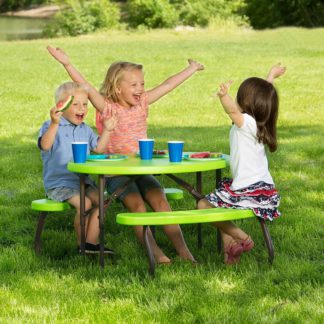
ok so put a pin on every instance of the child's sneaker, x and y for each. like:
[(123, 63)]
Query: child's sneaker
[(95, 249)]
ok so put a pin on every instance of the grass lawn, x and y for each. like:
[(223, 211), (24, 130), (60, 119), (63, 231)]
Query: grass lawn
[(61, 286)]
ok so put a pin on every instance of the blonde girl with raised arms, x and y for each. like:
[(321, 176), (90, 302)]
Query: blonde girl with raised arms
[(123, 93), (254, 117)]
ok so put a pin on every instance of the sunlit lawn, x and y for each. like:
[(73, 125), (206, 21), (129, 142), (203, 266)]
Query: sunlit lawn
[(61, 286)]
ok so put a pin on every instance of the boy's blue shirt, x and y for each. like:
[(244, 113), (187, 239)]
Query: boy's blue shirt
[(55, 173)]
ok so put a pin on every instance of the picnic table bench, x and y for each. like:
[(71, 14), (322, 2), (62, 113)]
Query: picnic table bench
[(196, 216), (45, 206)]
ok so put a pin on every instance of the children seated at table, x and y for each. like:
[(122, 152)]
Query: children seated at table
[(254, 116), (54, 141), (123, 93)]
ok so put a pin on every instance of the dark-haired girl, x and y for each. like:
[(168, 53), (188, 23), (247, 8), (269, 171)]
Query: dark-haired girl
[(254, 116)]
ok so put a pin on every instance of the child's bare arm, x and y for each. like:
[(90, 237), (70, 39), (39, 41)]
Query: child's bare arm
[(109, 125), (275, 72), (229, 105), (174, 81), (95, 97), (48, 137)]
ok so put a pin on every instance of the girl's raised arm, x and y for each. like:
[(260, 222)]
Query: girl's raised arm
[(229, 105), (172, 82), (95, 97), (275, 72)]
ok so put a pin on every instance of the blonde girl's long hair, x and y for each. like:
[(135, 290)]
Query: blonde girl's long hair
[(259, 99), (113, 78)]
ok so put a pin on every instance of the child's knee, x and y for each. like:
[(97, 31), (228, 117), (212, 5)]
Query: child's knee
[(203, 204), (75, 202), (88, 204), (134, 204), (137, 208), (162, 204), (157, 200)]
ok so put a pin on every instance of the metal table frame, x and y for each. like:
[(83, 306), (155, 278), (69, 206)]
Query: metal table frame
[(135, 168)]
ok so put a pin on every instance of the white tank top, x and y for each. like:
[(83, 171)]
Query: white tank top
[(249, 162)]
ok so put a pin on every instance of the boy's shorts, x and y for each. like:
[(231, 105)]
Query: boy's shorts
[(142, 185), (65, 193)]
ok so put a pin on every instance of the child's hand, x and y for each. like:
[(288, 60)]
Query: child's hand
[(55, 115), (223, 88), (275, 72), (59, 55), (196, 65), (111, 123)]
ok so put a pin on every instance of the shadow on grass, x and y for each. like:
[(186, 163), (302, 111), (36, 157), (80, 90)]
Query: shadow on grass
[(296, 169)]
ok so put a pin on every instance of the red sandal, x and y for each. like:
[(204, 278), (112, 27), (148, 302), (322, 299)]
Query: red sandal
[(233, 253), (247, 244)]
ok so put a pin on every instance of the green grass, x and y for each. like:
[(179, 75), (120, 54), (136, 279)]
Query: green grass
[(61, 286)]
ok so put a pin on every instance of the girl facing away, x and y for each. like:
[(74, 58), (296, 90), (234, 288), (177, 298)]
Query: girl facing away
[(254, 117), (123, 93)]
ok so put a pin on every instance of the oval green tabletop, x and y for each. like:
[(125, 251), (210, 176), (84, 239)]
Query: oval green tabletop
[(134, 165)]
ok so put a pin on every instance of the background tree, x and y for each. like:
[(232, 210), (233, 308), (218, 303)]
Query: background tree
[(276, 13)]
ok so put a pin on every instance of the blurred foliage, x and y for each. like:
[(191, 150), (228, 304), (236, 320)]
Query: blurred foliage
[(9, 5), (83, 17), (86, 16), (151, 13), (275, 13), (200, 13), (170, 13)]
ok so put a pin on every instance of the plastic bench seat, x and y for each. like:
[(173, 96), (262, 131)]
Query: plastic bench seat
[(49, 205), (183, 216), (195, 216), (44, 206), (173, 193)]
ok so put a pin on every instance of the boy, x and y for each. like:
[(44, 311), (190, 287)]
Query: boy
[(54, 141)]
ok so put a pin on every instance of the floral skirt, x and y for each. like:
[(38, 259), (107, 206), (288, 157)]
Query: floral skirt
[(261, 197)]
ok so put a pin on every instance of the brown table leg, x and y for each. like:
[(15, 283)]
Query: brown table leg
[(199, 189), (267, 239), (82, 212), (218, 177), (219, 237), (101, 182), (197, 194), (102, 209), (186, 186)]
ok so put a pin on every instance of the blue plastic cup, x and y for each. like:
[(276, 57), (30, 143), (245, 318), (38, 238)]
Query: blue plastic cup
[(146, 148), (79, 150), (175, 151)]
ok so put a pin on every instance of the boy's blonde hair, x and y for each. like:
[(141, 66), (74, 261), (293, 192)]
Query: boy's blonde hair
[(114, 76), (68, 89)]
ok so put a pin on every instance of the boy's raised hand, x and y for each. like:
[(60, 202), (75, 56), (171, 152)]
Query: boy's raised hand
[(196, 65), (59, 55), (55, 115), (223, 88)]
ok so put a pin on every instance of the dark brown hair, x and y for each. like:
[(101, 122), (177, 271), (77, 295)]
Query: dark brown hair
[(259, 99)]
